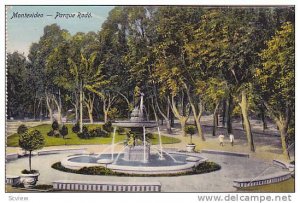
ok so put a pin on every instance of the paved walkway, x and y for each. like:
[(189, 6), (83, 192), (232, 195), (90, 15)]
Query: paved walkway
[(219, 181)]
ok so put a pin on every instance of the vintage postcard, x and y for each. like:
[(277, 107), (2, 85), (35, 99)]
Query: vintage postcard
[(171, 98)]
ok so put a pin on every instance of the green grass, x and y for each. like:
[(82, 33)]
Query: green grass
[(72, 139)]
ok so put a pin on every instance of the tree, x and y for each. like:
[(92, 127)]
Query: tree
[(19, 95), (173, 32), (276, 79), (86, 75), (191, 130), (30, 141), (43, 72)]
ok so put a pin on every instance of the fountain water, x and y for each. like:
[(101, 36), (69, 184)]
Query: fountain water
[(118, 155), (113, 144), (137, 158), (108, 147), (160, 142)]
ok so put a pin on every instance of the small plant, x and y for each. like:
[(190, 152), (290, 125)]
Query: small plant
[(22, 129), (50, 133), (76, 128), (98, 132), (85, 134), (25, 171), (30, 141), (64, 131), (150, 135), (55, 125), (191, 130), (55, 129), (121, 131), (108, 127)]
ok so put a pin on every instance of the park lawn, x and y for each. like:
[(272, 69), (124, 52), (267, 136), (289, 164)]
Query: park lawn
[(72, 139)]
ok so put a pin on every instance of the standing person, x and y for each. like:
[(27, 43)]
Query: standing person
[(221, 140), (231, 138)]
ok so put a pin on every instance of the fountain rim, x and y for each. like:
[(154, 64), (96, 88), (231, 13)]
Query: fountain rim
[(188, 166)]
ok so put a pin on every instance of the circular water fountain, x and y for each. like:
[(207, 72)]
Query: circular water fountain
[(139, 157)]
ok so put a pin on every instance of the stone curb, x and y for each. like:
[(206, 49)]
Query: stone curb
[(265, 180), (225, 153)]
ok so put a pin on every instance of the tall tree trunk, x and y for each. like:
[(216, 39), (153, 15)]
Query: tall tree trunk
[(29, 160), (224, 113), (282, 122), (228, 114), (197, 121), (81, 106), (105, 113), (166, 117), (242, 119), (283, 135), (76, 107), (263, 118), (89, 102), (90, 112), (58, 110), (171, 117), (49, 108), (215, 119), (183, 104), (60, 107), (34, 108), (244, 106), (59, 114), (196, 115), (182, 119)]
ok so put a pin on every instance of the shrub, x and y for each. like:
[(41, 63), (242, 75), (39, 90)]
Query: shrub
[(85, 134), (76, 128), (55, 125), (121, 131), (64, 131), (31, 141), (25, 171), (108, 127), (22, 129), (56, 133), (149, 135), (95, 170), (98, 132), (207, 167), (50, 133)]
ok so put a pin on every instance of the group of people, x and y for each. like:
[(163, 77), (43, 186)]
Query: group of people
[(221, 139)]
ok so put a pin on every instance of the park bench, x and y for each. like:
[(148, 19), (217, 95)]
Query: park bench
[(107, 186)]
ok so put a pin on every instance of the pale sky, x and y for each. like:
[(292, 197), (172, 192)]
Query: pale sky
[(21, 32)]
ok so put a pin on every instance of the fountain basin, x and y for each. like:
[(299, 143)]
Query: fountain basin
[(155, 165)]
